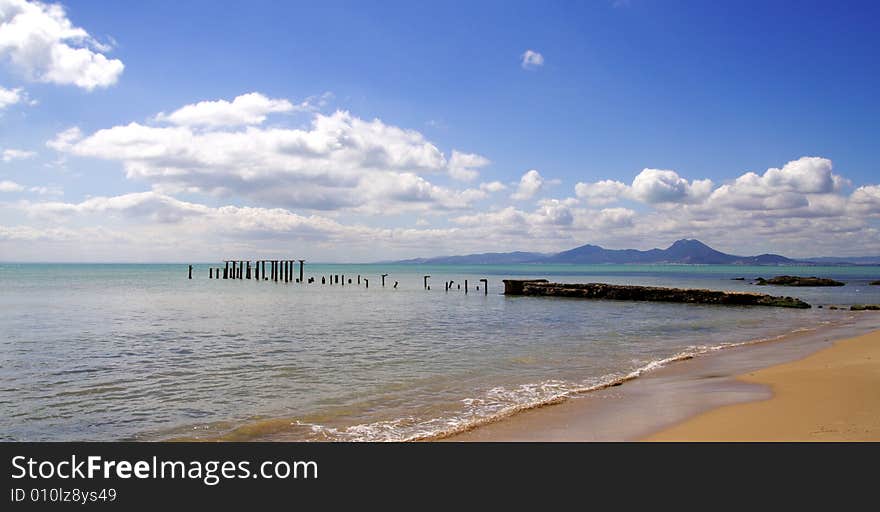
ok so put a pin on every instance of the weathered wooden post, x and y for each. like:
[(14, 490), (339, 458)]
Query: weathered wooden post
[(286, 271), (248, 274), (301, 263), (359, 279), (190, 271), (426, 281), (366, 282), (383, 279), (336, 278), (395, 285), (485, 286), (226, 271), (465, 286), (211, 273), (447, 285)]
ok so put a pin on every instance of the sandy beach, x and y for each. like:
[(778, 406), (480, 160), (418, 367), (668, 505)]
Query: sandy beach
[(832, 395), (822, 384)]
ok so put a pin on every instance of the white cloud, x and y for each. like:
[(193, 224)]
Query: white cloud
[(493, 186), (65, 140), (340, 162), (10, 186), (16, 154), (247, 109), (651, 186), (51, 190), (664, 186), (462, 166), (10, 97), (529, 184), (41, 43), (531, 59), (602, 192)]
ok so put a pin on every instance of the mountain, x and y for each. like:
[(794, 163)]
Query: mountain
[(682, 251)]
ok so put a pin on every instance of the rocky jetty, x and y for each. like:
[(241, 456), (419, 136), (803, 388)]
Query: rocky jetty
[(865, 307), (544, 288), (798, 281)]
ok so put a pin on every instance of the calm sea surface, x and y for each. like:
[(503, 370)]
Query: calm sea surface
[(114, 352)]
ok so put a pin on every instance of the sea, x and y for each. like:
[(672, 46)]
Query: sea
[(107, 352)]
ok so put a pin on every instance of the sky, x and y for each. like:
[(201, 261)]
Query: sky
[(362, 131)]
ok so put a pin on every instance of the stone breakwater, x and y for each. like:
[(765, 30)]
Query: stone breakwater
[(544, 288)]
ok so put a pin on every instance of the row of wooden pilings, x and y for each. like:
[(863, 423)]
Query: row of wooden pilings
[(279, 270), (283, 271)]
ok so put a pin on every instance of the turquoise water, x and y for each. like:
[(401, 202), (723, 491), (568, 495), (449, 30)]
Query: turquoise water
[(111, 352)]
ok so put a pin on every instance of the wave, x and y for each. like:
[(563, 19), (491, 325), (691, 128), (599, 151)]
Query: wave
[(494, 405)]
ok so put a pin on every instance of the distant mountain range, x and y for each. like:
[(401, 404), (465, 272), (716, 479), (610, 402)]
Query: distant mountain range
[(682, 251)]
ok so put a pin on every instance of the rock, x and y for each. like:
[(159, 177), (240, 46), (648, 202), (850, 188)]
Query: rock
[(738, 279), (865, 307), (541, 287), (798, 281), (875, 283), (835, 308)]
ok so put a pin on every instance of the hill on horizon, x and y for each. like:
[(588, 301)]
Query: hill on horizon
[(684, 251)]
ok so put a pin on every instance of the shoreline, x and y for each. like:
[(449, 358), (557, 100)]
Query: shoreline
[(668, 396), (831, 395)]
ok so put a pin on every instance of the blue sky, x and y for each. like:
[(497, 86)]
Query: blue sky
[(632, 110)]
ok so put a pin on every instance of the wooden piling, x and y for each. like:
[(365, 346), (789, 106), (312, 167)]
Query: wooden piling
[(383, 279), (226, 271), (366, 282), (359, 279), (426, 282), (210, 273), (485, 286), (465, 286), (301, 263), (190, 271), (395, 285)]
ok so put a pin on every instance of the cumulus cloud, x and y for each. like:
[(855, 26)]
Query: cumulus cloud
[(463, 166), (493, 186), (10, 154), (9, 97), (793, 186), (529, 184), (10, 186), (602, 192), (664, 186), (247, 109), (339, 162), (652, 186), (531, 60), (43, 45)]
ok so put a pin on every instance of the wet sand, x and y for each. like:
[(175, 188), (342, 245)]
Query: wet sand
[(832, 395), (666, 397)]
